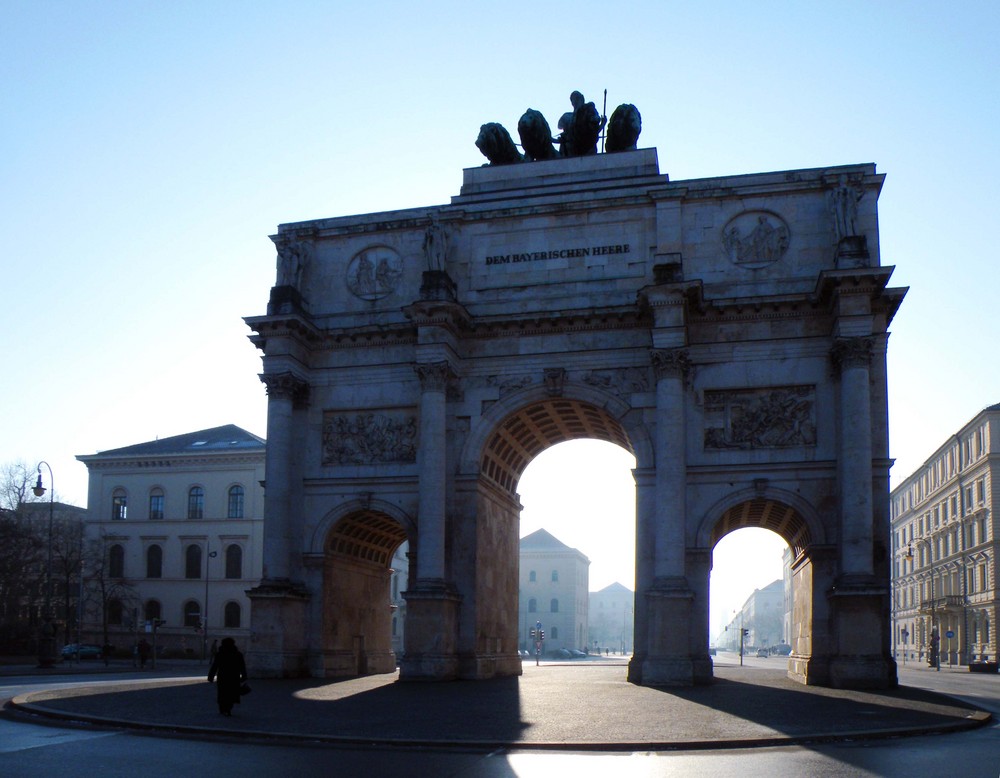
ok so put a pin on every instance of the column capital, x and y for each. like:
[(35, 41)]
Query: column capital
[(434, 376), (670, 362), (852, 352), (286, 386)]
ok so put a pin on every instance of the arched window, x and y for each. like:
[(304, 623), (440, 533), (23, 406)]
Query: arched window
[(192, 614), (532, 605), (116, 561), (156, 504), (235, 502), (154, 561), (532, 577), (119, 504), (234, 561), (555, 575), (232, 615), (115, 611), (192, 561), (554, 605), (196, 503), (152, 610)]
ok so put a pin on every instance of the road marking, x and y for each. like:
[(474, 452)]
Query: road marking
[(17, 736)]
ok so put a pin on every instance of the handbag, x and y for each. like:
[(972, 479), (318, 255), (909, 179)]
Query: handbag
[(245, 689)]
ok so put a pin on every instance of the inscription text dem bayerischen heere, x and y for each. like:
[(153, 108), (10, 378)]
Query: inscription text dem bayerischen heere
[(567, 253)]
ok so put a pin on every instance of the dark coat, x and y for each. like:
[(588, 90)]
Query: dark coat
[(230, 670)]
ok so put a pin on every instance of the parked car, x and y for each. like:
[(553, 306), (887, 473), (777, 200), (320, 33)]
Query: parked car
[(762, 652), (782, 649), (712, 650), (83, 650)]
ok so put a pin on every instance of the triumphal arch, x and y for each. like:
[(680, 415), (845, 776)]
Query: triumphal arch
[(729, 332)]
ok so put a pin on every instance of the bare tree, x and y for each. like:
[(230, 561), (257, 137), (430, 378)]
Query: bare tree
[(22, 561), (110, 600)]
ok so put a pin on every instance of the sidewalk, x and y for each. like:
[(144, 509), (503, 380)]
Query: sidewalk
[(581, 706)]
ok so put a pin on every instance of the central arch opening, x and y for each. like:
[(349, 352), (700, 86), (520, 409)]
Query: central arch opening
[(568, 464)]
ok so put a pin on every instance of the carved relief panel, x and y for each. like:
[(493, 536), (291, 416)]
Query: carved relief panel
[(775, 417), (369, 438)]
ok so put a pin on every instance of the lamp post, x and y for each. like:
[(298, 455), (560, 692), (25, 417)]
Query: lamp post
[(204, 620), (47, 634)]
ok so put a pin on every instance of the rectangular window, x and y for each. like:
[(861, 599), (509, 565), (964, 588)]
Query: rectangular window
[(156, 506), (980, 491)]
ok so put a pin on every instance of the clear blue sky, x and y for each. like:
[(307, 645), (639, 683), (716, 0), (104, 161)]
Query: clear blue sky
[(150, 148)]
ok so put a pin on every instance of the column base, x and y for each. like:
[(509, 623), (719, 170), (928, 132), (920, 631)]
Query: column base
[(668, 660), (431, 638), (860, 657), (279, 620)]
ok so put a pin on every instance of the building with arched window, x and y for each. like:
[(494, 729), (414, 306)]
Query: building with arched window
[(181, 518), (554, 580)]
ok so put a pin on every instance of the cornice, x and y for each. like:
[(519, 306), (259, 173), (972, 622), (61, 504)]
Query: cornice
[(180, 461)]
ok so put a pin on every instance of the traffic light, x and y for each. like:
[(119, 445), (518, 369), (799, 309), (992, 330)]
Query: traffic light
[(746, 632), (532, 634), (541, 634)]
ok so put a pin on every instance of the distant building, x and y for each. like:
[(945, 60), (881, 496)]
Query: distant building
[(612, 614), (554, 582), (174, 528), (762, 616), (944, 550)]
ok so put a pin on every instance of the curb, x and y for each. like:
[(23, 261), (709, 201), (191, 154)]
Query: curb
[(22, 705)]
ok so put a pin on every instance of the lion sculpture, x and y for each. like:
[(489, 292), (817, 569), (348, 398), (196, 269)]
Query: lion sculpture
[(496, 144), (623, 128), (536, 136)]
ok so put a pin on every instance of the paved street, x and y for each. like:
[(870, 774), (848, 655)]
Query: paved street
[(564, 693)]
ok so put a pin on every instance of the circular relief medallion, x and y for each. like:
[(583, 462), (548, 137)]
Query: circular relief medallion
[(755, 239), (374, 272)]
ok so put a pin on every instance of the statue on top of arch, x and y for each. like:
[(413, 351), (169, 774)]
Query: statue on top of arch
[(580, 130)]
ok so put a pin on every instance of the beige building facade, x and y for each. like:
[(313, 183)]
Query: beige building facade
[(944, 550), (553, 583), (175, 528)]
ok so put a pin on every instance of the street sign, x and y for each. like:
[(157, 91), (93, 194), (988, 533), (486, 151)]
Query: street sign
[(950, 633)]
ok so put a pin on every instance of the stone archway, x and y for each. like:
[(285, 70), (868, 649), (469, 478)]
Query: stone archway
[(484, 549), (356, 611), (812, 574), (726, 331)]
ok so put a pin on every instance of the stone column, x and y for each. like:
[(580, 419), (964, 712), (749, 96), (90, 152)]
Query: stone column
[(432, 457), (853, 356), (284, 390), (432, 605), (671, 472), (279, 607), (668, 660), (859, 601)]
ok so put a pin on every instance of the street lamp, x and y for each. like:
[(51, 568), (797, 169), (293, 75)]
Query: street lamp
[(204, 620), (47, 634)]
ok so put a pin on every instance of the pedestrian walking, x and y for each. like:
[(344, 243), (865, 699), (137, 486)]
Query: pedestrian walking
[(228, 671), (144, 649)]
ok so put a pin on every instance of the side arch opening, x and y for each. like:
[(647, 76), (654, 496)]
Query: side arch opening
[(364, 560)]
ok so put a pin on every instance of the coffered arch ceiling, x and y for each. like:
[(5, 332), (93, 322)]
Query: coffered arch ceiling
[(523, 435), (769, 514), (367, 535)]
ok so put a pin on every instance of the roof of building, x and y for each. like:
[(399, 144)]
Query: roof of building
[(229, 437), (615, 588), (543, 541)]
